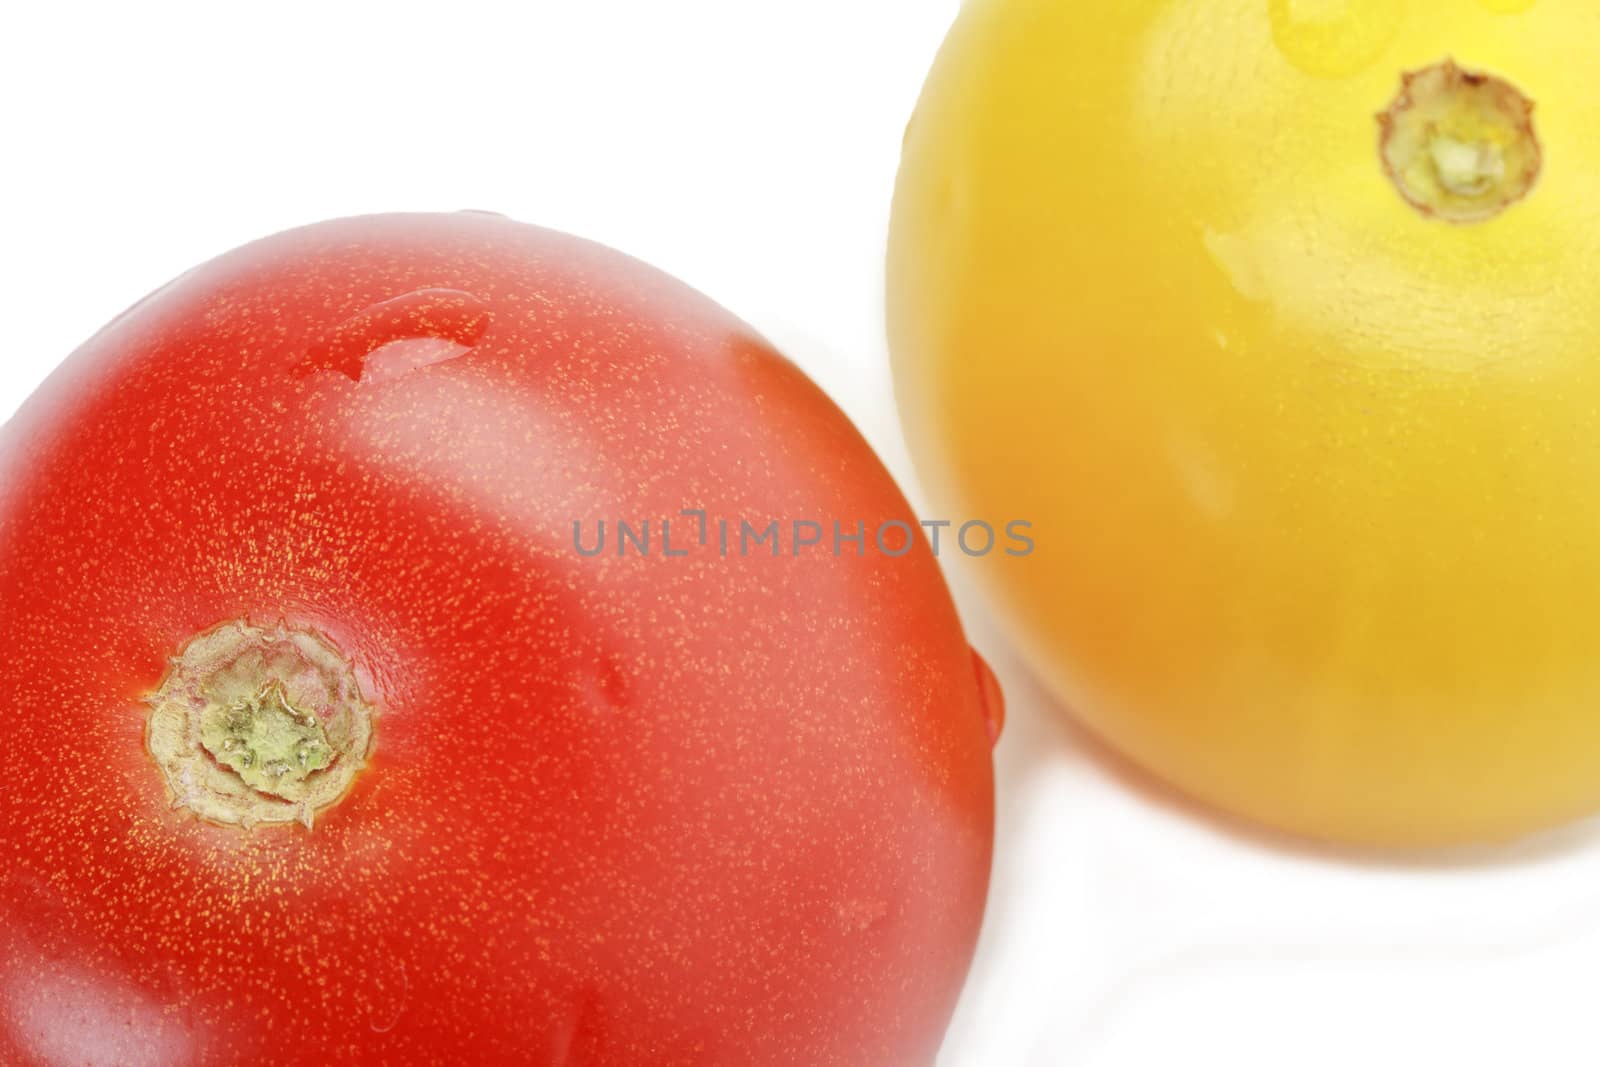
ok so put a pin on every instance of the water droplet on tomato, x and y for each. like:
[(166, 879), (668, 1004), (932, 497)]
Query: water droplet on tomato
[(611, 683), (990, 697), (1334, 38), (396, 336)]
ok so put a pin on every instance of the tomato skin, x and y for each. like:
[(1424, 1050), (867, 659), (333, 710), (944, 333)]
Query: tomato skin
[(637, 810), (1311, 474)]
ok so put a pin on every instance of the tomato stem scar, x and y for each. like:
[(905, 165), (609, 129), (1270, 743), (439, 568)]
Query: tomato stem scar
[(268, 742), (257, 725), (1460, 145)]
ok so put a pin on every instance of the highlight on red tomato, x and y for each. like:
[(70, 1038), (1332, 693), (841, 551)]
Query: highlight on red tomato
[(328, 745)]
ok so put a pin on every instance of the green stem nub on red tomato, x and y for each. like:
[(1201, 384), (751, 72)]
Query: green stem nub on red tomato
[(257, 726), (267, 741)]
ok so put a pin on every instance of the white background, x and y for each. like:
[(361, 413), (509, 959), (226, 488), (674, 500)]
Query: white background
[(749, 146)]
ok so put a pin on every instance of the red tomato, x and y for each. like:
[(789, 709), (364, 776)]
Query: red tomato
[(325, 744)]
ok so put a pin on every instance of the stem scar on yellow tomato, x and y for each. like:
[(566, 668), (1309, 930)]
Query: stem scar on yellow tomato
[(1460, 145), (258, 725)]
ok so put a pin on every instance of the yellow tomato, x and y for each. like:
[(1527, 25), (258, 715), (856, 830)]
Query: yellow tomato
[(1293, 361)]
